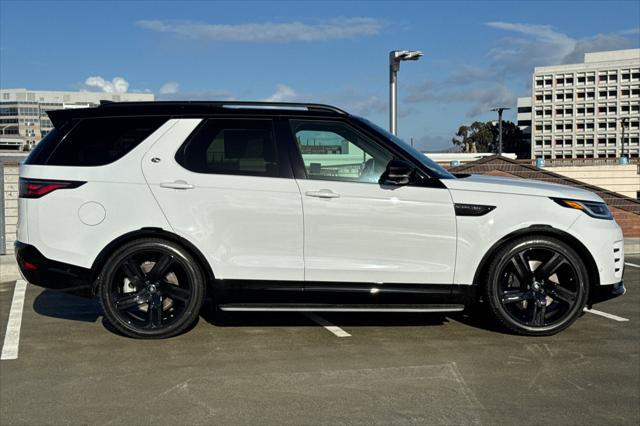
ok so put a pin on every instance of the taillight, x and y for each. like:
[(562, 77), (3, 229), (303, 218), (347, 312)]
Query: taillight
[(36, 188)]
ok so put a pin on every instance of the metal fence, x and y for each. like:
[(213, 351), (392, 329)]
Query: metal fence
[(559, 162)]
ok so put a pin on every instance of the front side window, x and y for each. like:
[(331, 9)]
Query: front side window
[(232, 147), (335, 151)]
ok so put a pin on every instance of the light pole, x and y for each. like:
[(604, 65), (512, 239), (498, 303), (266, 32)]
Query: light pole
[(395, 56), (500, 110), (624, 124)]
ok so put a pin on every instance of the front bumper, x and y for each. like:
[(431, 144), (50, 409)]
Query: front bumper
[(607, 292), (47, 273)]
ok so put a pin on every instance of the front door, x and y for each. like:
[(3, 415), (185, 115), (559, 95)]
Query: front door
[(229, 190), (359, 231)]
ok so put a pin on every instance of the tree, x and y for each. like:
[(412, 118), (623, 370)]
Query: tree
[(512, 139), (474, 138), (483, 137)]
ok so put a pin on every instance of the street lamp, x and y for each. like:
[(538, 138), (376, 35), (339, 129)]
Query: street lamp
[(395, 56), (500, 110)]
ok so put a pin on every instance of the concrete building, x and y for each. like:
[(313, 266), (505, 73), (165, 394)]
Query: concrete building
[(524, 117), (23, 117), (578, 109)]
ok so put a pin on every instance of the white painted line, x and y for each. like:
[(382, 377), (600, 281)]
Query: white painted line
[(12, 336), (326, 324), (606, 315), (632, 264)]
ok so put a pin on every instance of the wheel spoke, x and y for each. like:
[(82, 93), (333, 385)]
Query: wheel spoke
[(549, 267), (161, 267), (522, 268), (539, 311), (129, 300), (513, 296), (155, 311), (175, 292), (560, 293), (132, 270)]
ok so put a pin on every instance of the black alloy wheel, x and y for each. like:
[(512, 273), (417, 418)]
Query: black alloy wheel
[(537, 286), (151, 288)]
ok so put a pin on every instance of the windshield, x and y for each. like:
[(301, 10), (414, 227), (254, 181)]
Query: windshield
[(434, 168)]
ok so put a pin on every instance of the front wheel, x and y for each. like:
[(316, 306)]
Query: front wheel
[(536, 286), (151, 288)]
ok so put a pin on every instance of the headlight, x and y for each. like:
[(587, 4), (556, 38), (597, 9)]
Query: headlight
[(592, 208)]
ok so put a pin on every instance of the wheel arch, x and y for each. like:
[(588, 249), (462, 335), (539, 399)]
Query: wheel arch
[(110, 248), (543, 230)]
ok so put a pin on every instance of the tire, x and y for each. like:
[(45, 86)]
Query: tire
[(151, 289), (536, 286)]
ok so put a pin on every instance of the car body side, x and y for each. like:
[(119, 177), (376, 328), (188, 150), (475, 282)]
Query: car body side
[(125, 191)]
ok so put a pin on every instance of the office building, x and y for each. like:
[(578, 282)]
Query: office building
[(579, 110)]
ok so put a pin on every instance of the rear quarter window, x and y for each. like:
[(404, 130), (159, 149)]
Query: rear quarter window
[(94, 141)]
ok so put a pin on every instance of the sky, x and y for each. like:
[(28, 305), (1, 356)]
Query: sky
[(477, 55)]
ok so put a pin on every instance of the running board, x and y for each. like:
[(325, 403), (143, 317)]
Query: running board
[(310, 307)]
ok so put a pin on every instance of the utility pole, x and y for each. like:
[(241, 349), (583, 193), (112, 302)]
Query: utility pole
[(395, 56), (500, 110)]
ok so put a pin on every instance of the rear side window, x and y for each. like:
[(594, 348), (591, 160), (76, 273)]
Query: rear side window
[(232, 147), (94, 141)]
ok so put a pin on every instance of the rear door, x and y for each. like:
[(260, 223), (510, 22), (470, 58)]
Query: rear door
[(229, 190), (359, 231)]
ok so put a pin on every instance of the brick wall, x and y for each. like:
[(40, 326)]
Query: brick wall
[(10, 204), (629, 222)]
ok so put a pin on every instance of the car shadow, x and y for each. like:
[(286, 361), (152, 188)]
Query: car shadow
[(67, 305), (73, 307)]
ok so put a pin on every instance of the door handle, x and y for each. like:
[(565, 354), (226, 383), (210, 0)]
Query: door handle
[(177, 184), (323, 193)]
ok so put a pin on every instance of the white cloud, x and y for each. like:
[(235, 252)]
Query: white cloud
[(541, 45), (631, 31), (481, 98), (116, 85), (283, 93), (331, 29), (169, 88)]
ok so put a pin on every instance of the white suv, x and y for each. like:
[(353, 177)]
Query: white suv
[(296, 207)]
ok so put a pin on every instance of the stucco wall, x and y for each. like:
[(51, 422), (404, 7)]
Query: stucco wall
[(624, 180)]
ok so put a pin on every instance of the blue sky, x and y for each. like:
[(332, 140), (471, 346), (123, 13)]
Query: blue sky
[(477, 54)]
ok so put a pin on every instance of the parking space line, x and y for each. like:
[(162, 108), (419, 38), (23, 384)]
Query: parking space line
[(326, 324), (12, 336), (606, 315), (632, 264)]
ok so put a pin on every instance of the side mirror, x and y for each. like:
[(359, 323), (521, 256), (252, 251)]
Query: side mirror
[(398, 172)]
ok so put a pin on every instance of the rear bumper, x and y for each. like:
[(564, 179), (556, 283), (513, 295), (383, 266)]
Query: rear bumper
[(48, 273), (606, 292)]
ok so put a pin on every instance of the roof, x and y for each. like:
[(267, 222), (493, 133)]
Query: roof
[(527, 171), (191, 108)]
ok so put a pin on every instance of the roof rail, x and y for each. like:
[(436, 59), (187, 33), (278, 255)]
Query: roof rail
[(236, 104)]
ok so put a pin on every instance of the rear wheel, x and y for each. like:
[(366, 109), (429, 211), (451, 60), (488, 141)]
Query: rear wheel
[(536, 286), (151, 288)]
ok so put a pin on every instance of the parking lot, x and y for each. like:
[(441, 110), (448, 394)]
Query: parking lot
[(269, 368)]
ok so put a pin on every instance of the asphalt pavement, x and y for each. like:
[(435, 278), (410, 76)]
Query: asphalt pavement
[(265, 368)]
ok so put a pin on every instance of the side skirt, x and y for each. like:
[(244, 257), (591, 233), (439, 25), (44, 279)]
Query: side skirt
[(241, 295), (293, 307)]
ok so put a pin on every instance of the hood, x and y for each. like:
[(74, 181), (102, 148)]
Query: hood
[(505, 185)]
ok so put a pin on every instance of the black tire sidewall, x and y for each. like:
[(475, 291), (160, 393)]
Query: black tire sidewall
[(503, 256), (192, 269)]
